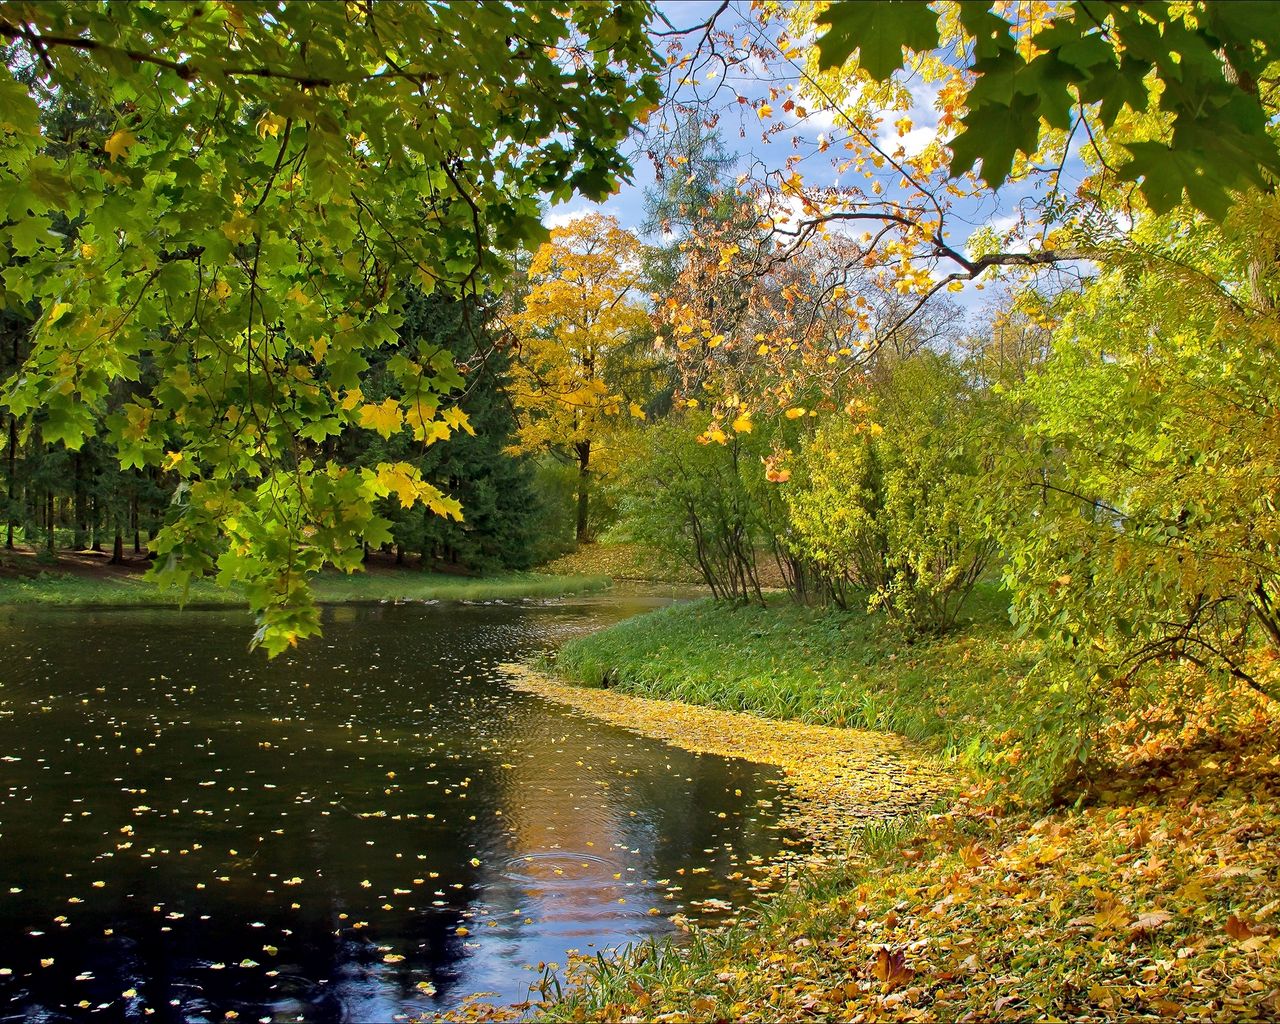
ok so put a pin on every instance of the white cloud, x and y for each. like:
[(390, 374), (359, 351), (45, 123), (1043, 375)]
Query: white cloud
[(560, 218), (1004, 223), (917, 140)]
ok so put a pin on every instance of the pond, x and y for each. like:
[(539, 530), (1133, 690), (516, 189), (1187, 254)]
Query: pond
[(372, 827)]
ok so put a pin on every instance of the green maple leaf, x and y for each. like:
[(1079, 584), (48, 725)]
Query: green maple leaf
[(1164, 172), (878, 30)]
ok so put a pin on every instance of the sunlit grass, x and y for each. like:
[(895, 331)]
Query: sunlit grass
[(827, 667)]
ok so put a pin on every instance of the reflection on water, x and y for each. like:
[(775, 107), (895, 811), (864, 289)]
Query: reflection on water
[(372, 827)]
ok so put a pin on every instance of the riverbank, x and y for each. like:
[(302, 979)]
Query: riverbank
[(89, 584), (1155, 895), (841, 669), (836, 781), (640, 563)]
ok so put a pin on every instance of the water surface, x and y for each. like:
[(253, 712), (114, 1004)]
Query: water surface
[(373, 827)]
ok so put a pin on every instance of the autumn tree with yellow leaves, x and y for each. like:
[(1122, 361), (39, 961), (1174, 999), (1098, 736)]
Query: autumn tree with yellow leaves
[(581, 316)]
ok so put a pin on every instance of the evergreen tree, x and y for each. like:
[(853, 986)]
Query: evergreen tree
[(495, 488)]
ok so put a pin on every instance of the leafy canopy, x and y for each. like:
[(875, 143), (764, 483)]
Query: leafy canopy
[(1199, 66), (271, 174)]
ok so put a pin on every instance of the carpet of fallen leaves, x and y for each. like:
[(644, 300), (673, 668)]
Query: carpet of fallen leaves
[(1158, 900), (834, 780)]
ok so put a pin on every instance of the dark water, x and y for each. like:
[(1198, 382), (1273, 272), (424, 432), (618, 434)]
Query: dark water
[(372, 827)]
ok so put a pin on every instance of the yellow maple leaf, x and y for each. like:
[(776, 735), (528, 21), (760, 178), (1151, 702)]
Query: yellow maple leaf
[(118, 145), (430, 431), (457, 419), (400, 479), (270, 124), (743, 424), (386, 417), (443, 506)]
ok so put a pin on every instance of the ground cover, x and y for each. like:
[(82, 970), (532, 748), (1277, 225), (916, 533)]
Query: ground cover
[(1149, 890), (88, 579)]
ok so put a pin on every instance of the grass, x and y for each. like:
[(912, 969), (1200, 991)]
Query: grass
[(628, 560), (604, 983), (68, 589), (826, 667)]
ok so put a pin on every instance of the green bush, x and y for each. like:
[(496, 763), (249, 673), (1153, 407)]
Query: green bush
[(890, 499)]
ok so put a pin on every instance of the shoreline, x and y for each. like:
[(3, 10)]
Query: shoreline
[(122, 590), (835, 780), (1135, 902)]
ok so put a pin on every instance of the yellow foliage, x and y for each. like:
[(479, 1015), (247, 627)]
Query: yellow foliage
[(386, 417), (583, 305)]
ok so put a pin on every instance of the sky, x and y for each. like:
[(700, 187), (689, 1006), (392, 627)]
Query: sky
[(743, 133)]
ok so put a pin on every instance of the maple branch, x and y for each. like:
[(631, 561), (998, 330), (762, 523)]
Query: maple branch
[(705, 25), (188, 71)]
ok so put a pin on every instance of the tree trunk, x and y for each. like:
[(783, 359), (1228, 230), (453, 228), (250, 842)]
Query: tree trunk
[(79, 509), (117, 549), (13, 468), (95, 526), (583, 449), (13, 456), (49, 518)]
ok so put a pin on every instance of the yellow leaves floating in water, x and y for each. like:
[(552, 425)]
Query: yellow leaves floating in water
[(836, 780)]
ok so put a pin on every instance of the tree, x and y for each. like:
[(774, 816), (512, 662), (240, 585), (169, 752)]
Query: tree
[(692, 501), (1143, 526), (473, 465), (1100, 111), (272, 172), (890, 495), (1200, 68), (583, 307)]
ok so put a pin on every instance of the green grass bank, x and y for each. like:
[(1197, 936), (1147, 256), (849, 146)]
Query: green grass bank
[(331, 588), (826, 667), (1154, 895)]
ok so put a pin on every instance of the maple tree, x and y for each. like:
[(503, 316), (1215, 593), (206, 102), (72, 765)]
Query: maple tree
[(581, 314), (1143, 522), (1200, 67), (270, 174), (1141, 93)]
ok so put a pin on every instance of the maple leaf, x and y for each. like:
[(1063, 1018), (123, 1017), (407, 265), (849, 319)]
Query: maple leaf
[(117, 146), (891, 968), (386, 417), (457, 419), (878, 31), (1150, 921), (1238, 929)]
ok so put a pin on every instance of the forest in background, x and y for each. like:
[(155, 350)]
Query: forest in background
[(280, 368)]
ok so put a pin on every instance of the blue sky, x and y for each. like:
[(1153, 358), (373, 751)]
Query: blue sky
[(743, 133)]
